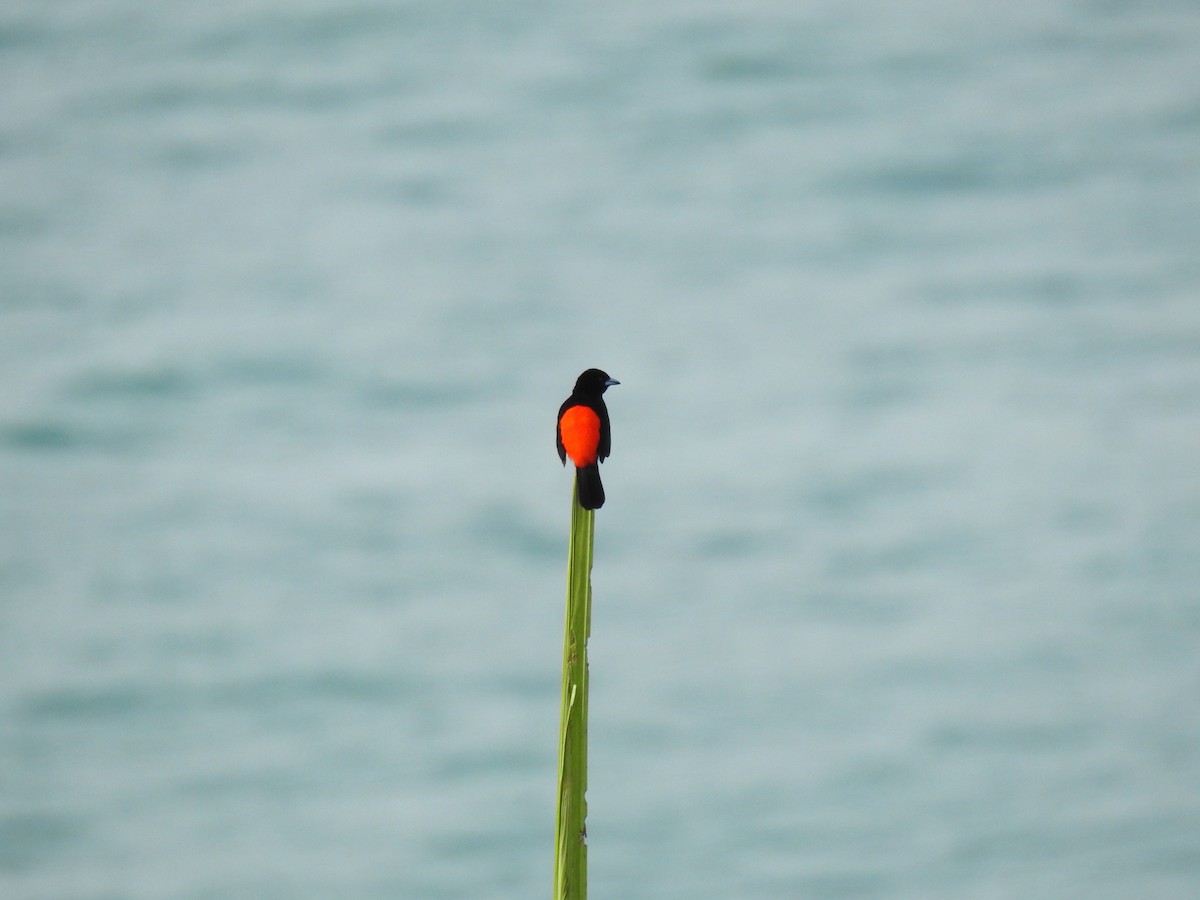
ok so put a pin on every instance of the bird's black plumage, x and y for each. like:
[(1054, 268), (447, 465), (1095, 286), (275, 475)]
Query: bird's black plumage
[(578, 437)]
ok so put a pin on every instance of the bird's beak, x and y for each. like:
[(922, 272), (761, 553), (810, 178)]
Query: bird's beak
[(611, 382)]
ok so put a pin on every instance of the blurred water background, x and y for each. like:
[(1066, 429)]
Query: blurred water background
[(898, 583)]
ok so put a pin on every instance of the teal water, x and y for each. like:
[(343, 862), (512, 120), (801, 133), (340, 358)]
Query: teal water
[(897, 589)]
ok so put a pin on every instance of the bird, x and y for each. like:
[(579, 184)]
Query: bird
[(583, 434)]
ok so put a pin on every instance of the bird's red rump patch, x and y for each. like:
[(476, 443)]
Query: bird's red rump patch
[(579, 428)]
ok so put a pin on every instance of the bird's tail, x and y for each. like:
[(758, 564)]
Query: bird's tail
[(587, 483)]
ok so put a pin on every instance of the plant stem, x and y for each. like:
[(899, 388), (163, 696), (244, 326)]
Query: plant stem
[(570, 839)]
